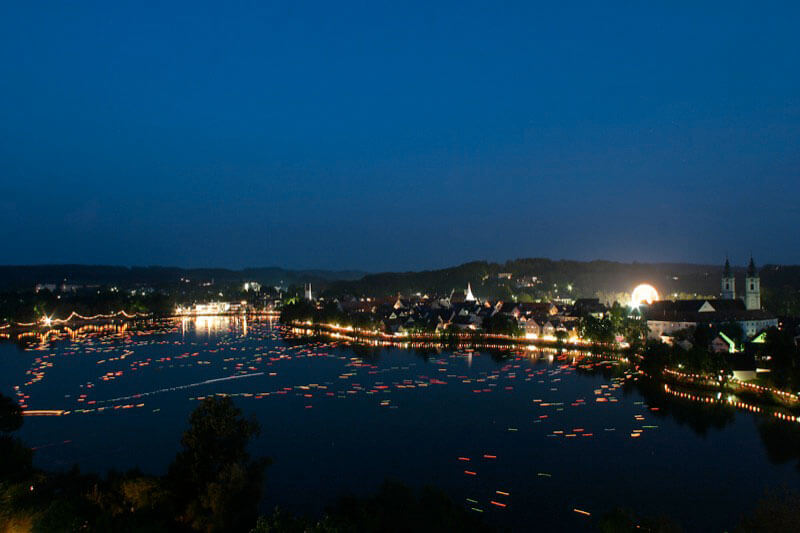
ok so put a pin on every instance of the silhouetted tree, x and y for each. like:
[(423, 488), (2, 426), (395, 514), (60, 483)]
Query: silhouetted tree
[(395, 508), (10, 415), (217, 485), (774, 513), (15, 458), (626, 521)]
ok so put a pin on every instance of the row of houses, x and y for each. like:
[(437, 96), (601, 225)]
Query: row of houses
[(467, 313)]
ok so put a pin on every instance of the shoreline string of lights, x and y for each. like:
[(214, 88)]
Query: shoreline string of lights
[(48, 321)]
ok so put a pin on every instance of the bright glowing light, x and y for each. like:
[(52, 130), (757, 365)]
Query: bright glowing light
[(643, 293)]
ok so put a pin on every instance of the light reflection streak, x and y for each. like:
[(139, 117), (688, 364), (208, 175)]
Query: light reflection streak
[(180, 387)]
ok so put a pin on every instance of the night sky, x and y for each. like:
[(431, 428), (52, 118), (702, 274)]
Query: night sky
[(390, 137)]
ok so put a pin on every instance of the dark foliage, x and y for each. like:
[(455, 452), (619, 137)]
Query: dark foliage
[(15, 458), (25, 277), (776, 512), (395, 508), (217, 485), (10, 415), (502, 324), (624, 521), (213, 485)]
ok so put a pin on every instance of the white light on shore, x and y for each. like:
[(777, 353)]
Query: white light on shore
[(643, 293)]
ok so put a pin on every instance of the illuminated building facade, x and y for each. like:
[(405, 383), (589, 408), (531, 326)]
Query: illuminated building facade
[(752, 287), (470, 297), (728, 282), (666, 317)]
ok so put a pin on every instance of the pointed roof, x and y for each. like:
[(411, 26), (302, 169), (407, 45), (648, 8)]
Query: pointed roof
[(726, 273), (470, 297), (752, 271)]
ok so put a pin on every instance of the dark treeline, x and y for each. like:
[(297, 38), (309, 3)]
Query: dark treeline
[(31, 306), (781, 284), (212, 485), (585, 277), (31, 293), (25, 277)]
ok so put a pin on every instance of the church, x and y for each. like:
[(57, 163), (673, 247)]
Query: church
[(668, 316)]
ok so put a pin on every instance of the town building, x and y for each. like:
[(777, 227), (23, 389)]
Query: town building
[(470, 297), (668, 316)]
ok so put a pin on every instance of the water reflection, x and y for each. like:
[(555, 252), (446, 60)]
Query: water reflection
[(26, 340), (782, 441), (207, 325), (213, 325), (700, 412), (702, 415)]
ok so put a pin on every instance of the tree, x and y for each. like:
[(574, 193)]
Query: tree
[(217, 485), (655, 357), (561, 337), (281, 521), (775, 512), (785, 357), (734, 331), (502, 324), (398, 508), (16, 459), (10, 415), (596, 329), (624, 521), (297, 310)]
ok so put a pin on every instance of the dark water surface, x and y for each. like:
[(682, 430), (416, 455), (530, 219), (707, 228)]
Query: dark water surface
[(338, 418)]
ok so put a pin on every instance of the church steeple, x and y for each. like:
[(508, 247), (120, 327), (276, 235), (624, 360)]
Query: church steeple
[(752, 271), (752, 287), (728, 282), (470, 297)]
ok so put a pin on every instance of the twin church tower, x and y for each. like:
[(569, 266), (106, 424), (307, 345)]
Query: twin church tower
[(752, 286)]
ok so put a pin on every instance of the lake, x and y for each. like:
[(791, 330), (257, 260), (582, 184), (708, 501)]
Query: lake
[(523, 437)]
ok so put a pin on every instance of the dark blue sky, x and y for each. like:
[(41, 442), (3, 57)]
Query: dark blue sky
[(383, 137)]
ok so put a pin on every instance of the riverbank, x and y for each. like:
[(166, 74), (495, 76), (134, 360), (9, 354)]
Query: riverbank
[(76, 319), (446, 338), (740, 394), (344, 417)]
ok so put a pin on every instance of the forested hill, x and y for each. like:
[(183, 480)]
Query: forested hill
[(586, 279), (606, 279), (25, 277)]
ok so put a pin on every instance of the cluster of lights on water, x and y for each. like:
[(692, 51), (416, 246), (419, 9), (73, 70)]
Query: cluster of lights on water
[(116, 369)]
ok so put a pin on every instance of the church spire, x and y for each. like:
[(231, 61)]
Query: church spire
[(470, 297), (752, 287), (752, 271), (728, 281)]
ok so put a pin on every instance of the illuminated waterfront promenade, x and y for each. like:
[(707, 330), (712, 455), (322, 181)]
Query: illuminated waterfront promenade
[(509, 424), (761, 399), (49, 321), (576, 347)]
